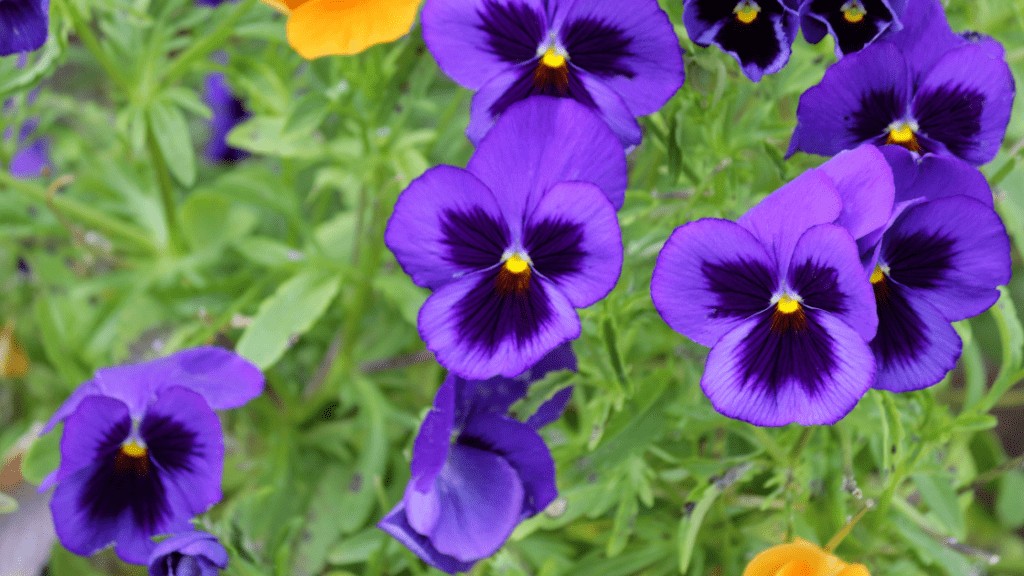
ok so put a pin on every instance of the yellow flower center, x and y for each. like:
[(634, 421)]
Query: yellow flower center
[(904, 134), (854, 12), (516, 264), (787, 305), (878, 275), (552, 59), (747, 11), (133, 449)]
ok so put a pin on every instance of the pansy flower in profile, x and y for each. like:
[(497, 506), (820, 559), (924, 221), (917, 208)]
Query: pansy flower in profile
[(759, 34), (938, 260), (188, 554), (24, 25), (476, 471), (801, 558), (515, 243), (924, 88), (853, 24), (621, 59), (344, 27), (228, 112), (142, 450), (780, 297)]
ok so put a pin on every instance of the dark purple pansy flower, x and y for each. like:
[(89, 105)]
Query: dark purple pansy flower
[(24, 25), (853, 24), (142, 450), (476, 471), (188, 554), (938, 260), (780, 296), (758, 34), (924, 88), (228, 112), (621, 59), (515, 243)]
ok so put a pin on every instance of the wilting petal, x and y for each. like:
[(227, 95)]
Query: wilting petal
[(915, 346), (630, 46), (931, 177), (964, 103), (925, 37), (328, 27), (856, 101), (497, 395), (953, 252), (25, 24), (551, 409), (542, 141), (478, 332), (826, 273), (773, 378), (523, 449), (710, 277), (865, 184), (397, 525), (430, 450), (446, 224), (783, 216), (574, 241), (475, 40)]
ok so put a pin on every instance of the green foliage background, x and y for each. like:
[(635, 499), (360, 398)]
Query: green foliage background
[(138, 247)]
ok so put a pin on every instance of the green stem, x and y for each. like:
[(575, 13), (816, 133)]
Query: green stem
[(163, 178), (207, 44), (92, 44)]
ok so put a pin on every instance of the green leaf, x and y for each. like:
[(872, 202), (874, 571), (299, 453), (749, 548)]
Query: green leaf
[(170, 129), (7, 504), (1010, 501), (938, 494), (289, 312), (42, 457), (210, 220)]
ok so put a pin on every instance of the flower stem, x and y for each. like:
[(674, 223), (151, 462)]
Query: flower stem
[(163, 178)]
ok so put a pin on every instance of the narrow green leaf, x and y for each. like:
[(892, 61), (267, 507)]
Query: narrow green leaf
[(170, 129), (938, 494)]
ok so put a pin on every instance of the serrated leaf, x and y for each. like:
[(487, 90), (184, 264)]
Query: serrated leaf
[(170, 129)]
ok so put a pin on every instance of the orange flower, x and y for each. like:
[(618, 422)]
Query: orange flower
[(801, 558), (331, 27), (13, 361)]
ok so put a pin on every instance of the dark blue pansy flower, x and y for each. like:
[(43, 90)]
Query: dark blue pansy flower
[(923, 88), (780, 296), (938, 260), (142, 450), (24, 25), (476, 471), (188, 554), (620, 58), (228, 112), (758, 34), (515, 243), (853, 24)]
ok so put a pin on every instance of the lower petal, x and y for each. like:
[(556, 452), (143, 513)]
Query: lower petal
[(329, 27), (397, 525)]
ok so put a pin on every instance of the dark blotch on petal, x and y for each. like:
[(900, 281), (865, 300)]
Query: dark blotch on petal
[(776, 356), (742, 288), (901, 334), (712, 11), (598, 47), (475, 240), (555, 246), (513, 30), (918, 260), (818, 287), (755, 43), (951, 115), (527, 85), (487, 316), (878, 109), (512, 283), (852, 36), (171, 444)]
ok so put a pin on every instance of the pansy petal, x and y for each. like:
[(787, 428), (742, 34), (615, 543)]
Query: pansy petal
[(827, 274), (865, 184), (932, 176), (545, 140), (78, 530), (224, 379), (770, 378), (856, 101), (481, 501), (802, 552), (954, 252), (710, 277), (84, 390), (925, 37), (32, 160), (966, 112), (551, 409), (523, 449), (430, 450), (397, 525), (573, 240), (344, 27), (851, 35), (478, 332), (25, 25), (612, 109), (473, 40), (915, 346), (446, 224), (95, 430), (497, 395)]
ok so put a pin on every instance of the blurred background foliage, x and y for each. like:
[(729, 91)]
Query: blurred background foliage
[(134, 246)]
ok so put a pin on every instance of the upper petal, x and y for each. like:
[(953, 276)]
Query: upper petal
[(25, 25), (865, 185), (925, 37), (931, 177), (331, 27), (224, 379)]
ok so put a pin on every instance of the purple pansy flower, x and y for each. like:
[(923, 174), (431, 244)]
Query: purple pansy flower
[(852, 23), (24, 25), (142, 449), (781, 297), (758, 34), (32, 157), (188, 554), (621, 59), (228, 112), (939, 260), (476, 471), (515, 243), (924, 88)]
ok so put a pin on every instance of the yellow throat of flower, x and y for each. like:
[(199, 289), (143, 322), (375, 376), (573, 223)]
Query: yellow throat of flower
[(134, 450), (787, 305), (747, 11), (516, 264), (878, 275), (552, 59), (903, 134), (854, 12)]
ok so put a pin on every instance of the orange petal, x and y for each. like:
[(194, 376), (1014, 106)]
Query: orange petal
[(798, 558), (325, 27), (855, 570), (284, 6), (13, 361)]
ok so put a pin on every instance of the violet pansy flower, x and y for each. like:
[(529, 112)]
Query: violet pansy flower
[(758, 34), (515, 243), (24, 25), (621, 59), (32, 157), (781, 296), (228, 112), (142, 450), (853, 24), (924, 88), (188, 554), (476, 471)]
